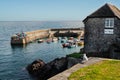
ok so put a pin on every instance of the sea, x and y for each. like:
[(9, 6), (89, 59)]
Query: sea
[(14, 59)]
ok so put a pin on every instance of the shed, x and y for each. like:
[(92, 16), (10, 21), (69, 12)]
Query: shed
[(102, 29)]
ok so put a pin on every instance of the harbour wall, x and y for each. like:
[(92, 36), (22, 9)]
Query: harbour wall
[(27, 37)]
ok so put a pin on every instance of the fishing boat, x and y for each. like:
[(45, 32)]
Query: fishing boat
[(71, 38)]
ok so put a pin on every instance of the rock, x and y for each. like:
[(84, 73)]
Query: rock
[(35, 66), (72, 61), (44, 71), (59, 64)]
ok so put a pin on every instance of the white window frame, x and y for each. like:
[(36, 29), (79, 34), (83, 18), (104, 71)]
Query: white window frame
[(109, 23)]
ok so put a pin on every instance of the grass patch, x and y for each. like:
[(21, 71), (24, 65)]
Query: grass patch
[(104, 70), (75, 55)]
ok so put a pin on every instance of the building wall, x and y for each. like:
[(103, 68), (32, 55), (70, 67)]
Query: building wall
[(95, 39), (117, 28)]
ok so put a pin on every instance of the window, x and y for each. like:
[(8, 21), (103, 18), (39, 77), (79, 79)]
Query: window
[(108, 31), (109, 26), (109, 23)]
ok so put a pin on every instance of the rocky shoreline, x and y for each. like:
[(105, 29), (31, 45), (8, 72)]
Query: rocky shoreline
[(40, 70)]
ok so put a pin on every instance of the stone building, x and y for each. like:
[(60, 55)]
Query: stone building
[(102, 29)]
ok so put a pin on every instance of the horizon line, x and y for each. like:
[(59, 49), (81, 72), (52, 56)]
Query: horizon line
[(36, 20)]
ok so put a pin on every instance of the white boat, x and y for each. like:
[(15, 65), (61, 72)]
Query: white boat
[(70, 41), (55, 39), (40, 41), (71, 45)]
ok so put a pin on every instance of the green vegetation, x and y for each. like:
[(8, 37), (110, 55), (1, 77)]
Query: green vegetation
[(104, 70), (75, 55)]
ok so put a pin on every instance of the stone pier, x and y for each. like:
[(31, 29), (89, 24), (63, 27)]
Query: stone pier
[(26, 37)]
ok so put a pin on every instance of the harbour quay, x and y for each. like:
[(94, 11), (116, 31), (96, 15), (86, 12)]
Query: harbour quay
[(27, 37)]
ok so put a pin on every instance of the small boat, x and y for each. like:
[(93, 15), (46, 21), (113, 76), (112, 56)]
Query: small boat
[(40, 41), (59, 38), (65, 45), (49, 40), (54, 39), (71, 38), (70, 41), (64, 37), (81, 43), (63, 41), (71, 46), (76, 40)]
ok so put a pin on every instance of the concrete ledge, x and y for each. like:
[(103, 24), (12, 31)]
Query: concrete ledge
[(65, 74)]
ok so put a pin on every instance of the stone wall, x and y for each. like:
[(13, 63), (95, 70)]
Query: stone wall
[(68, 34), (66, 29), (117, 27), (95, 39), (29, 36), (33, 35)]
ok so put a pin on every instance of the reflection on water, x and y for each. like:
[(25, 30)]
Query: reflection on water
[(19, 46)]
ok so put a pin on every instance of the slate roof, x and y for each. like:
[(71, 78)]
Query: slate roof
[(106, 10)]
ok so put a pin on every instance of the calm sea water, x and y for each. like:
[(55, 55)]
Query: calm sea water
[(14, 59)]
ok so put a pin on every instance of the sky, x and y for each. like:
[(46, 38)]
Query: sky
[(49, 10)]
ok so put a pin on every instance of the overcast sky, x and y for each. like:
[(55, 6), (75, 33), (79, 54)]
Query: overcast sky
[(49, 10)]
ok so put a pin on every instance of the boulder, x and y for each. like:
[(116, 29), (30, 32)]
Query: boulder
[(72, 61), (35, 66), (59, 64), (42, 71)]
